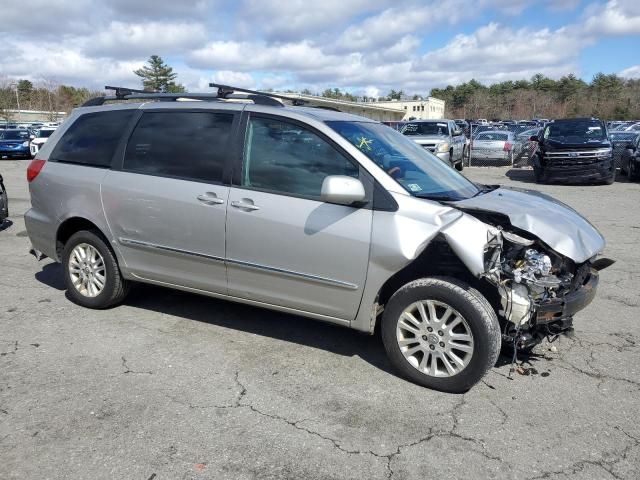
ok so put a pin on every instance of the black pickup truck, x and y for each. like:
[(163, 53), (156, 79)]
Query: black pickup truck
[(574, 150)]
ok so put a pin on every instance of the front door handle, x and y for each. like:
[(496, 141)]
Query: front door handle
[(210, 198), (244, 205)]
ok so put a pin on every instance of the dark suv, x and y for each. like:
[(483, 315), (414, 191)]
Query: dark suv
[(574, 150)]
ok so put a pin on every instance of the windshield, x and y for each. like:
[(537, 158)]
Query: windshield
[(426, 128), (419, 172), (578, 131), (44, 133), (13, 134)]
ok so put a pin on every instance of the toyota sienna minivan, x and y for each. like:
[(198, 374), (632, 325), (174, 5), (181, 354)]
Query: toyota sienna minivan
[(313, 212)]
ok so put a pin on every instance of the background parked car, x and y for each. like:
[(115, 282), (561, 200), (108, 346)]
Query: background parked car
[(40, 137), (14, 143), (630, 159), (496, 145), (443, 138)]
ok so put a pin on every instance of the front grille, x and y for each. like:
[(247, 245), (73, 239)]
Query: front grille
[(429, 146), (577, 157)]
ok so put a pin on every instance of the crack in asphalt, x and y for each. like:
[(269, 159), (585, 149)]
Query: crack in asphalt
[(11, 352), (128, 370), (386, 457), (606, 465)]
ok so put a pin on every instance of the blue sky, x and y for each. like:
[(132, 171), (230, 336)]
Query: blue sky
[(364, 46)]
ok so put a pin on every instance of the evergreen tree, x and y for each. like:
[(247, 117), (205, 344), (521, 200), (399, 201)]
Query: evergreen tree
[(157, 76)]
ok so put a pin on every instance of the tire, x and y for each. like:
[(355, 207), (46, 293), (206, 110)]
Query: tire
[(539, 175), (634, 171), (460, 166), (114, 289), (467, 304), (611, 180)]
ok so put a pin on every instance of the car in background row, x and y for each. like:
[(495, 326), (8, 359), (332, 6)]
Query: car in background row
[(14, 144), (620, 140), (574, 150), (630, 158), (40, 137), (496, 145), (443, 138)]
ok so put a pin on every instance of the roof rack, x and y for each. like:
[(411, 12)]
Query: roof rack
[(225, 92)]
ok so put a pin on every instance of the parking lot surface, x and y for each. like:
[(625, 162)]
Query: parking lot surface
[(171, 385)]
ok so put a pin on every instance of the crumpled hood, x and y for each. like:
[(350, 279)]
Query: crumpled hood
[(553, 222)]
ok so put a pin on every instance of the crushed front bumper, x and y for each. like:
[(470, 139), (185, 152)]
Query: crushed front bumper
[(560, 309)]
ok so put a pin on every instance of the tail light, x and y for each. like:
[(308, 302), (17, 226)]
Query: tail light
[(507, 146), (34, 169)]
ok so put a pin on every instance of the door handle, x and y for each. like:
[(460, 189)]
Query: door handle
[(244, 205), (210, 199)]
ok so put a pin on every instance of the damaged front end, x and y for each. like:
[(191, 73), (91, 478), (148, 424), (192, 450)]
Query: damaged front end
[(541, 258), (540, 290)]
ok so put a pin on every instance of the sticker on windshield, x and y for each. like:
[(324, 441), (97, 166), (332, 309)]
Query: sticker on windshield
[(364, 144), (414, 187)]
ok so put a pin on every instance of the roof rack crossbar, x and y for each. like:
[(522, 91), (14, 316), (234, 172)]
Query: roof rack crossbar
[(224, 90), (224, 93)]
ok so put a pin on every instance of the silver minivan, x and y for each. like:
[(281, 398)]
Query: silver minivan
[(313, 212)]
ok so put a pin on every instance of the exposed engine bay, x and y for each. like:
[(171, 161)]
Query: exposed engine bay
[(540, 290)]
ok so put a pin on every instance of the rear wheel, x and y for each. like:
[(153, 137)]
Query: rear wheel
[(439, 333), (91, 271)]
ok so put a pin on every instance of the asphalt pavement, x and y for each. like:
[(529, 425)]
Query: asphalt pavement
[(172, 385)]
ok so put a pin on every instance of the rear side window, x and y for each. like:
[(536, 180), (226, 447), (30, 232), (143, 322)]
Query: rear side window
[(92, 138), (190, 145)]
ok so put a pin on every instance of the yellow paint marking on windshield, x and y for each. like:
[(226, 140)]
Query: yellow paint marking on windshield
[(365, 143)]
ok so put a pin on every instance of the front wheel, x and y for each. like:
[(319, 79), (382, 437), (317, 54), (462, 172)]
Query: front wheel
[(91, 271), (634, 171), (440, 333)]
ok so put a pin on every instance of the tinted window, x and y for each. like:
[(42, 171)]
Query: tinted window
[(190, 145), (286, 158), (92, 138)]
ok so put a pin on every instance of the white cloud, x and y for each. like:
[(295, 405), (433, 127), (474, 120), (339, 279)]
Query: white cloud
[(618, 17), (631, 72), (130, 40), (496, 48), (237, 79)]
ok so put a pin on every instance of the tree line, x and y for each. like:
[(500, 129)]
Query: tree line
[(605, 96)]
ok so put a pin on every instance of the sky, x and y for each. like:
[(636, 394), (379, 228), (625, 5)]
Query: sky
[(362, 46)]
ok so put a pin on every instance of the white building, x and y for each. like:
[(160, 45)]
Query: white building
[(429, 108)]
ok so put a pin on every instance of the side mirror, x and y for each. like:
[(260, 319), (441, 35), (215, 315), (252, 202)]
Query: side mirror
[(533, 138), (32, 136), (342, 190), (630, 146), (457, 133)]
